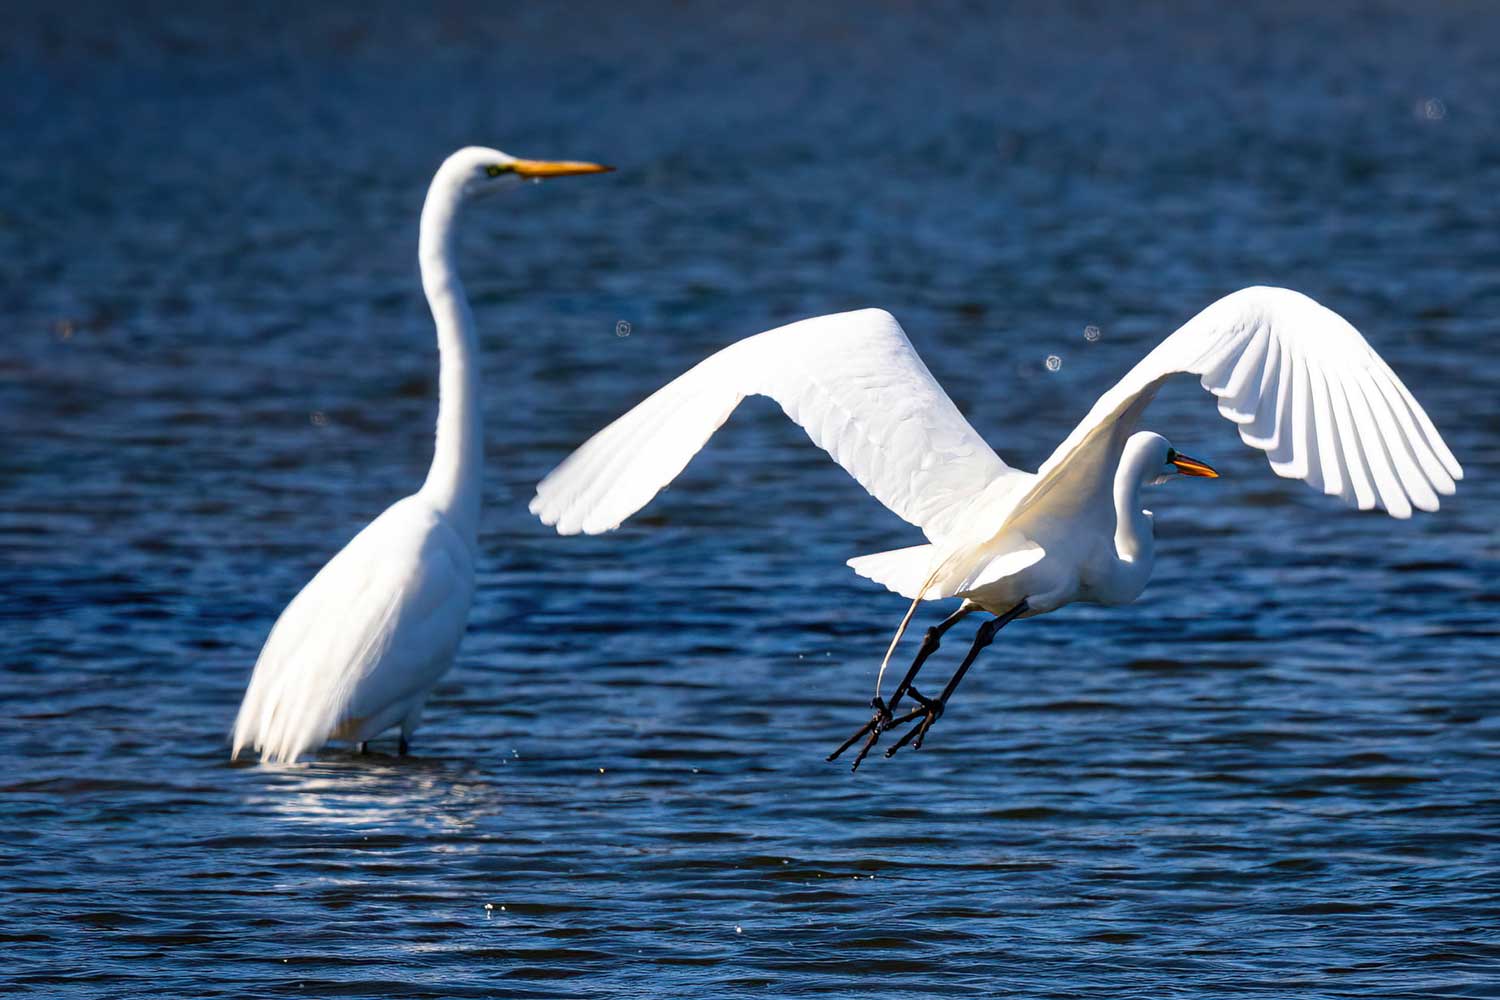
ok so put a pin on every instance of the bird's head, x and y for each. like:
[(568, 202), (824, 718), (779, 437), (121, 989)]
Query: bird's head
[(1161, 462), (476, 170)]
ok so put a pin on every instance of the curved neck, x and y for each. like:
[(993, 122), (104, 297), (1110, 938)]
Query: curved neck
[(452, 484), (1135, 542)]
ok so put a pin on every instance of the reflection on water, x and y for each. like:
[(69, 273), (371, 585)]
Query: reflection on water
[(1274, 773), (345, 790)]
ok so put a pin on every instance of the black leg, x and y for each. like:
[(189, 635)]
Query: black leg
[(932, 708), (881, 720), (930, 643), (403, 747), (364, 748)]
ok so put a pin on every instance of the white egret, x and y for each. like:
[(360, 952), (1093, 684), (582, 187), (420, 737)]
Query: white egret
[(359, 649), (1300, 382)]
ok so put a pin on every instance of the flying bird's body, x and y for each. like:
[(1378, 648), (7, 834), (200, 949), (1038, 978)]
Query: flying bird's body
[(360, 647), (1299, 381)]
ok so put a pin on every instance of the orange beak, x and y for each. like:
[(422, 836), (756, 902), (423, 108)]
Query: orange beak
[(1192, 467), (556, 168)]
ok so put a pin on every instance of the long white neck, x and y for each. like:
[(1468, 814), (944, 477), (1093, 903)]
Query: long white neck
[(453, 481), (1135, 541)]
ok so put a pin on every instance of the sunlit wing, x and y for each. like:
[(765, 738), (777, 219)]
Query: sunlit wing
[(851, 380), (376, 626), (1303, 386)]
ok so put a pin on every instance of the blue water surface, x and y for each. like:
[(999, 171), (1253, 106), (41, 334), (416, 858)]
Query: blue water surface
[(1274, 775)]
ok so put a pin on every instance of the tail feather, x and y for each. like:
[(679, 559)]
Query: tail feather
[(899, 570)]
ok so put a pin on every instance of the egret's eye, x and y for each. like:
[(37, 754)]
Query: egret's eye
[(496, 169)]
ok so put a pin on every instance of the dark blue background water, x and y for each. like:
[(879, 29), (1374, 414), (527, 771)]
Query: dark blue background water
[(1274, 775)]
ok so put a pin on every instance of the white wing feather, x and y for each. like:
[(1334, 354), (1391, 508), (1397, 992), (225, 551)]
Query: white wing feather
[(851, 380), (1303, 386), (374, 629)]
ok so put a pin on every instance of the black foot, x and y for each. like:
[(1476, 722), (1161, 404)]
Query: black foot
[(879, 723), (364, 748), (403, 747), (931, 711)]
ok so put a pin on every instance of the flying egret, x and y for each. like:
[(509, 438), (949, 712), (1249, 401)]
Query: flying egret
[(359, 649), (1300, 382)]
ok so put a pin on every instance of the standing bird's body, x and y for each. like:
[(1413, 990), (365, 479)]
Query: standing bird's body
[(1300, 382), (360, 648)]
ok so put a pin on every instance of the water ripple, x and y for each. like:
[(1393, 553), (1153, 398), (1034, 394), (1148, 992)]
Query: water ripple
[(1274, 774)]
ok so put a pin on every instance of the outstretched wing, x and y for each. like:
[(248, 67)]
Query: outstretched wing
[(854, 383), (1304, 387)]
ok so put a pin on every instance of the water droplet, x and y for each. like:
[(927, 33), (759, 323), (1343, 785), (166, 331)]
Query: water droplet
[(622, 328), (1091, 333), (1434, 110), (738, 929), (318, 418), (1053, 362)]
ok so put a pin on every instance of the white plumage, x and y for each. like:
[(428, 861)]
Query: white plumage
[(1303, 386), (851, 380), (1300, 382), (359, 649)]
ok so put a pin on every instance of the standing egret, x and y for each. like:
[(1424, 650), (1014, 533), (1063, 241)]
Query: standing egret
[(359, 649), (1300, 382)]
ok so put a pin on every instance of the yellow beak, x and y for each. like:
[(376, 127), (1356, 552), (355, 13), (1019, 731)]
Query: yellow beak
[(1193, 467), (556, 168)]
